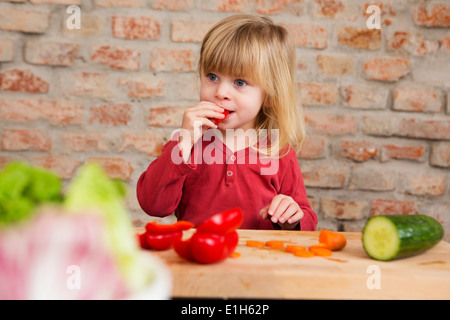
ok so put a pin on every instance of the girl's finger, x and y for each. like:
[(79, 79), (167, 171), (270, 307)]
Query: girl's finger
[(264, 212), (206, 122), (274, 205), (281, 208), (289, 213), (296, 217)]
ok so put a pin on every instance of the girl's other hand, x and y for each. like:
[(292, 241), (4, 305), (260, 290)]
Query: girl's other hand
[(284, 211)]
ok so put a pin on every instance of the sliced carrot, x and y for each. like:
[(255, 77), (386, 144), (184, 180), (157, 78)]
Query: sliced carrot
[(322, 252), (303, 254), (276, 244), (292, 248), (255, 244), (235, 254), (332, 240), (318, 245)]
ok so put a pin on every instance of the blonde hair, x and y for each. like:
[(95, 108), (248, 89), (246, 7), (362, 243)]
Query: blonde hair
[(254, 47)]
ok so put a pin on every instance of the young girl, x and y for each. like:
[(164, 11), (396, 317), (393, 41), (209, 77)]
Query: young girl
[(247, 106)]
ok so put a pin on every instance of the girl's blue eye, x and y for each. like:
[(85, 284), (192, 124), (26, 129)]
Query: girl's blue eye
[(240, 83), (212, 77)]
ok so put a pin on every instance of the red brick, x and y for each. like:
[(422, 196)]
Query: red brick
[(276, 6), (362, 97), (332, 124), (25, 20), (344, 210), (135, 27), (186, 87), (334, 9), (419, 128), (419, 99), (414, 44), (64, 167), (372, 179), (173, 60), (324, 176), (445, 44), (57, 112), (92, 24), (50, 53), (190, 31), (117, 58), (114, 114), (308, 35), (227, 5), (174, 5), (360, 38), (143, 86), (167, 116), (387, 69), (149, 143), (440, 154), (321, 94), (82, 142), (387, 11), (87, 84), (313, 148), (64, 2), (432, 15), (22, 81), (120, 3), (389, 207), (377, 125), (335, 65), (115, 168), (6, 49), (423, 184), (359, 150), (403, 152), (25, 139)]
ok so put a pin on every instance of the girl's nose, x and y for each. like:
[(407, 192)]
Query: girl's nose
[(222, 92)]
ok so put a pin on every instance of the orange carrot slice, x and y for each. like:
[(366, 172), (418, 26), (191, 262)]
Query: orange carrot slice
[(276, 244), (255, 244), (322, 252), (318, 245), (292, 248), (235, 254), (303, 254), (332, 240)]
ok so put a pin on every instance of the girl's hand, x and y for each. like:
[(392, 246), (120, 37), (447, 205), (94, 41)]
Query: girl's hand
[(196, 120), (284, 211)]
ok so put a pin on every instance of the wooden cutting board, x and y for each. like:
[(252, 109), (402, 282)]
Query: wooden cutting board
[(276, 274)]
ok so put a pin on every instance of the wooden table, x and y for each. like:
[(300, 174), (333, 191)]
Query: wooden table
[(275, 274)]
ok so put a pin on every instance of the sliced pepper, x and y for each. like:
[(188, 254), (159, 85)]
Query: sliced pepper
[(223, 222), (162, 236), (225, 112), (214, 240)]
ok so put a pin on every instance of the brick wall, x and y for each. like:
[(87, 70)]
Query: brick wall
[(377, 101)]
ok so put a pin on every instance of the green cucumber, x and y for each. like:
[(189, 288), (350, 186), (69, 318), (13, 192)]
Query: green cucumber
[(399, 236)]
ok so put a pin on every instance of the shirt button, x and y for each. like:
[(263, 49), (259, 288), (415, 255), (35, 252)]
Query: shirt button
[(233, 158), (229, 173)]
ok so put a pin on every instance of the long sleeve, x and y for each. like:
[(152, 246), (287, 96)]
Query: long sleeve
[(293, 186), (159, 188)]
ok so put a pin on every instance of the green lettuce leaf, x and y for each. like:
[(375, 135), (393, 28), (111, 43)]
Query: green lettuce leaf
[(23, 188)]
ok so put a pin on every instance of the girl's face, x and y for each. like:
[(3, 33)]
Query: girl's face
[(238, 95)]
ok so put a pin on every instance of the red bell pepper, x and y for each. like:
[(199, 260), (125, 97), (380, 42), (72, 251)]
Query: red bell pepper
[(162, 236), (225, 112), (214, 240)]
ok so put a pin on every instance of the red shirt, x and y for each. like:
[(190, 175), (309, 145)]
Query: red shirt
[(218, 179)]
